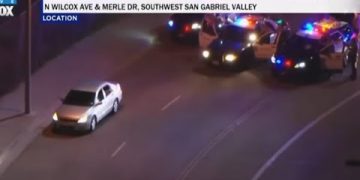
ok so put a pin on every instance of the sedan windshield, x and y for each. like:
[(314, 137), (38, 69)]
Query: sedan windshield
[(79, 98)]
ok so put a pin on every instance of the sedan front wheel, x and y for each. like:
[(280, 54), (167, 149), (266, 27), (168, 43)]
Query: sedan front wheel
[(115, 106), (92, 124)]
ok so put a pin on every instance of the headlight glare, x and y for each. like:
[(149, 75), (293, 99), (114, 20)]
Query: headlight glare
[(252, 37), (273, 59), (55, 117), (83, 119), (300, 65), (230, 57), (195, 26), (171, 23), (206, 54)]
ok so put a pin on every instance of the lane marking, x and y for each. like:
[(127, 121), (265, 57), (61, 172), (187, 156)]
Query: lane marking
[(299, 134), (170, 103), (122, 145), (220, 137)]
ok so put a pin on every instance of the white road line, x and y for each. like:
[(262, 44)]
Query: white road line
[(299, 134), (122, 145), (170, 103), (221, 136)]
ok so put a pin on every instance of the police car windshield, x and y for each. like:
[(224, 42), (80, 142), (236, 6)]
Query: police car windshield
[(234, 33), (300, 46)]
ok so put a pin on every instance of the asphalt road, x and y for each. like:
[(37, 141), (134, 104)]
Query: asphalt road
[(183, 120)]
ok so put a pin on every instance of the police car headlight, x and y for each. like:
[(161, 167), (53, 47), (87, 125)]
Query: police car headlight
[(206, 54), (300, 65), (195, 26), (55, 117), (252, 37), (273, 59), (230, 57), (83, 119)]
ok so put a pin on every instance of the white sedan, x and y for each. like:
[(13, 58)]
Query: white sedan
[(87, 104)]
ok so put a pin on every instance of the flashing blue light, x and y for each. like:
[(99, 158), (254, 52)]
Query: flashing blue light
[(242, 22), (309, 28), (171, 23), (278, 61)]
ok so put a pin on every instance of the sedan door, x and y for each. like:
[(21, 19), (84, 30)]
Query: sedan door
[(100, 105), (109, 97)]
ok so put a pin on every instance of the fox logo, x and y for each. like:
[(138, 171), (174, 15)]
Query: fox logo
[(6, 11)]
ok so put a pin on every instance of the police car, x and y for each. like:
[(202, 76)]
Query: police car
[(185, 26), (317, 47), (238, 43)]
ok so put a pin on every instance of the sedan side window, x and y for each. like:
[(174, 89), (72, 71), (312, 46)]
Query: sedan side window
[(100, 96), (107, 89)]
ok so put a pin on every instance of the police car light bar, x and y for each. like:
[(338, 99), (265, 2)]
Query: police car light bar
[(246, 21), (321, 27), (242, 22)]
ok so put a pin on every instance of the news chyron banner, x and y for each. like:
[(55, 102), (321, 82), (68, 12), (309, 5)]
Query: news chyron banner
[(69, 10)]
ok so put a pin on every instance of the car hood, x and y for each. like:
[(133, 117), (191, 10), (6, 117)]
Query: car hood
[(71, 112), (221, 46)]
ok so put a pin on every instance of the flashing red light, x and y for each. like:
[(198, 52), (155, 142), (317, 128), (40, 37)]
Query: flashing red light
[(288, 63), (187, 28)]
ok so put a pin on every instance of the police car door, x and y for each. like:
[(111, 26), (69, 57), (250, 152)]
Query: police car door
[(334, 60), (266, 46), (208, 32)]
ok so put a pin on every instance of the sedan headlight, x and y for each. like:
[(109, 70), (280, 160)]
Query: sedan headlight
[(195, 26), (252, 37), (230, 57), (300, 65), (83, 119), (206, 54), (55, 117)]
